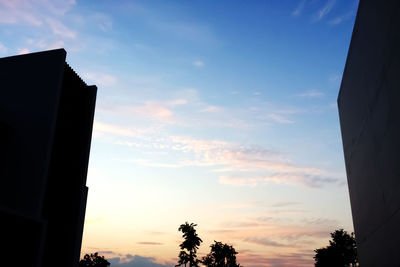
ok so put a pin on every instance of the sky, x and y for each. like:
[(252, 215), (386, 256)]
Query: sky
[(219, 113)]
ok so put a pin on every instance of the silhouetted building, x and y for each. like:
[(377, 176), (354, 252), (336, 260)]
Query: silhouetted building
[(46, 118), (369, 109)]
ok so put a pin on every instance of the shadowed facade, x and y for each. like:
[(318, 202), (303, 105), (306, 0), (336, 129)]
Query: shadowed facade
[(369, 113), (46, 118)]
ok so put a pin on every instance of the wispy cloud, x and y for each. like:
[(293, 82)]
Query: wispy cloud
[(100, 128), (153, 113), (282, 228), (291, 239), (276, 260), (279, 118), (23, 51), (3, 49), (198, 63), (44, 44), (312, 94), (187, 109), (149, 163), (13, 12), (335, 78), (103, 21), (32, 12), (149, 243), (212, 109), (40, 16), (273, 114), (329, 223), (105, 252), (325, 10), (299, 9), (130, 135), (305, 179), (339, 19), (100, 79), (156, 110), (60, 29), (243, 166), (265, 241), (284, 204)]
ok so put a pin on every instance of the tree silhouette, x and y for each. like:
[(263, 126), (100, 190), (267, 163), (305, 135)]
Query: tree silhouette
[(221, 255), (93, 260), (342, 251), (191, 243)]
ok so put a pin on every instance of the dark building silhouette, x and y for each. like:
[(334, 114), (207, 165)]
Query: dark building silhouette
[(369, 109), (46, 118)]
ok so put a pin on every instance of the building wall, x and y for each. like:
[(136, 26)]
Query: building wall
[(46, 118), (369, 110)]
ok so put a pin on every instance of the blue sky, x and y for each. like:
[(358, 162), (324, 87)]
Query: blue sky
[(221, 113)]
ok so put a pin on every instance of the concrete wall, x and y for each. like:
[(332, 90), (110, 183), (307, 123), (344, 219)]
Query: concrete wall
[(369, 110)]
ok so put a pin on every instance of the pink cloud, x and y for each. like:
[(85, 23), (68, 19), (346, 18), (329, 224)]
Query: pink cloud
[(100, 128), (42, 13), (242, 166), (154, 110), (276, 259), (23, 51)]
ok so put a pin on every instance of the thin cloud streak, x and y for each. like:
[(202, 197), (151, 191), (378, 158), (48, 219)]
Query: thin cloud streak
[(100, 128), (279, 118), (304, 179), (150, 243), (198, 63), (284, 204), (325, 10), (339, 19), (299, 9), (276, 260), (265, 242), (312, 94)]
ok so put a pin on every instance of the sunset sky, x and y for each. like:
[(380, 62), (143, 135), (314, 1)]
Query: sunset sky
[(220, 113)]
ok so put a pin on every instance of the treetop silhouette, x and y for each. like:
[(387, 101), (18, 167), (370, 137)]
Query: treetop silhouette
[(93, 260), (221, 255), (341, 252), (190, 244)]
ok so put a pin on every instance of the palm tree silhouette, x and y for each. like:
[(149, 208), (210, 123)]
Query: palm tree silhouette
[(191, 243)]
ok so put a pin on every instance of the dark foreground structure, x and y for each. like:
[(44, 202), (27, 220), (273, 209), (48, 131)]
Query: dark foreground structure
[(46, 118), (369, 109)]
